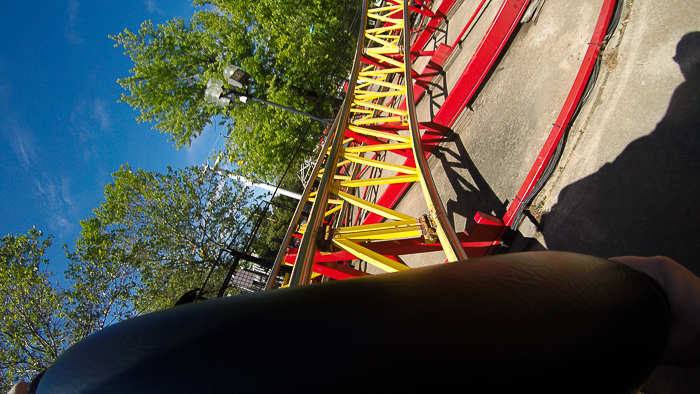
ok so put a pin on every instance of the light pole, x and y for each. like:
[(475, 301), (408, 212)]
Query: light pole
[(219, 95), (248, 182)]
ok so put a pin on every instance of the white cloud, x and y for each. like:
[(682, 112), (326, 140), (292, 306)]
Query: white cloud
[(47, 190), (89, 153), (152, 7), (53, 193), (80, 124), (24, 155), (66, 194), (100, 112), (61, 225), (58, 202), (71, 33), (21, 141), (87, 118)]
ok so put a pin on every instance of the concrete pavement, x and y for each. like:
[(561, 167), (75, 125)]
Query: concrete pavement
[(496, 141), (629, 179)]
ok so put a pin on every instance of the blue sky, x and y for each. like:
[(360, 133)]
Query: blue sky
[(62, 132)]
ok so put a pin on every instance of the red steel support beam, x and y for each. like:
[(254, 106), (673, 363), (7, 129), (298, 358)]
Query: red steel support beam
[(473, 75), (426, 12), (477, 241), (424, 36), (337, 271), (491, 45), (484, 232), (431, 69), (374, 141)]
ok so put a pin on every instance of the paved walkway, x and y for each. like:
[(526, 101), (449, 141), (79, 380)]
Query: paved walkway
[(496, 141), (630, 177)]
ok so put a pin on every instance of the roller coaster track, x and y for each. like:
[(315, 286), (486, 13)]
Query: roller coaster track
[(371, 123), (376, 143)]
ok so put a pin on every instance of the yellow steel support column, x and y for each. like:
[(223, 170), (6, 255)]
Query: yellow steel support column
[(372, 108)]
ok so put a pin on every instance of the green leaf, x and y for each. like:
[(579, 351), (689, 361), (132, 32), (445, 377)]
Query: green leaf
[(270, 40)]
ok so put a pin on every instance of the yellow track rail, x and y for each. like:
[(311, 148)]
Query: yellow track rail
[(381, 81)]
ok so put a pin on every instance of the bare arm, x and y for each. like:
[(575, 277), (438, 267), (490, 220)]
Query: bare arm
[(683, 290), (19, 388)]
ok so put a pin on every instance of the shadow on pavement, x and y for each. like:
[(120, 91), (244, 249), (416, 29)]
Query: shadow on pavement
[(645, 202), (471, 196)]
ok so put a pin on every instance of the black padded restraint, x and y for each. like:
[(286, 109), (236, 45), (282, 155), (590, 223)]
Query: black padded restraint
[(538, 322)]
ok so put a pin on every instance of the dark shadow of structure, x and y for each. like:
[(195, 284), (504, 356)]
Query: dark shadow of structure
[(471, 196), (435, 92), (439, 36), (646, 201)]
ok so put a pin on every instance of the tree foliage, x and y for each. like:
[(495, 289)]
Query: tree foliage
[(157, 235), (293, 50), (172, 63), (154, 237), (271, 234), (34, 328), (279, 215)]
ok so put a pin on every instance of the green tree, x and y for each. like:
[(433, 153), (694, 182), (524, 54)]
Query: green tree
[(292, 50), (156, 236), (34, 328), (104, 285), (271, 234), (278, 217), (172, 63)]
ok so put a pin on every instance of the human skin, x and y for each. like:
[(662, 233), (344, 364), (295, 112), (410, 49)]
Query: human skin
[(683, 290), (20, 388)]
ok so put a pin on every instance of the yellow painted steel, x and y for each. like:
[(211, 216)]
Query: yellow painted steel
[(330, 201), (370, 73), (370, 256), (333, 210), (387, 8), (379, 134), (369, 121), (372, 207), (385, 18), (380, 164), (387, 60), (385, 234), (342, 163), (448, 238), (362, 111), (379, 181), (381, 108), (389, 85), (409, 221), (377, 147), (375, 94)]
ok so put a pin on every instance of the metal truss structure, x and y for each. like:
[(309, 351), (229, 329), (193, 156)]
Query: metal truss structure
[(377, 149)]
